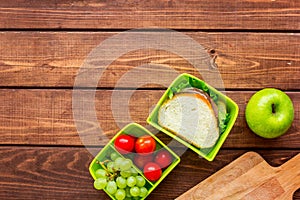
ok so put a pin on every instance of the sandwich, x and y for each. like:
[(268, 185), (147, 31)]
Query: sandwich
[(193, 116)]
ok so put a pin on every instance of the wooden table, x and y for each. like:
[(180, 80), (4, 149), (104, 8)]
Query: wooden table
[(44, 43)]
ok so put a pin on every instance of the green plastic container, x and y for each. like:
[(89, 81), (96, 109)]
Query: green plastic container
[(184, 81), (136, 130)]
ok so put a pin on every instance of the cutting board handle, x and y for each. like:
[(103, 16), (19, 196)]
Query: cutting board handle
[(289, 174)]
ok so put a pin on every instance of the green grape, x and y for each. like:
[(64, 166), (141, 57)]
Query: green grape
[(101, 173), (143, 192), (133, 171), (100, 183), (118, 162), (111, 187), (121, 182), (125, 165), (120, 194), (127, 190), (131, 181), (111, 166), (108, 152), (135, 191), (125, 174), (114, 156), (140, 181)]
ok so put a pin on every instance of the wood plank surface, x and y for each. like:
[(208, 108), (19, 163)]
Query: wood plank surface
[(62, 173), (44, 117), (245, 60), (249, 177), (175, 14), (44, 44)]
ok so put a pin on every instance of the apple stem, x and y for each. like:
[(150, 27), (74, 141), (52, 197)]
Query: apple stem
[(273, 108)]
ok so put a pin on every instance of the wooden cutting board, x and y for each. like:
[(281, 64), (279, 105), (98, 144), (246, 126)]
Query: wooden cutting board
[(249, 177)]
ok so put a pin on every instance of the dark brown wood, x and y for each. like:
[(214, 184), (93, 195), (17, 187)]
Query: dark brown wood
[(62, 173), (245, 60), (176, 14), (44, 117), (254, 43)]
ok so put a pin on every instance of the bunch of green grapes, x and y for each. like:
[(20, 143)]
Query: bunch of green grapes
[(118, 177)]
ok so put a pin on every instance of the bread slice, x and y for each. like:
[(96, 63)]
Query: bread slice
[(191, 117)]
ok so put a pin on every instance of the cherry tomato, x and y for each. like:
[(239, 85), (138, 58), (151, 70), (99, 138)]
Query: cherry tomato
[(145, 144), (140, 160), (124, 144), (163, 158), (152, 171)]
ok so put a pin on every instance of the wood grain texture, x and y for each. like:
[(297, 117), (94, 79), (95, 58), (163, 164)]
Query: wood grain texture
[(44, 117), (245, 60), (254, 43), (93, 14), (249, 177), (62, 173)]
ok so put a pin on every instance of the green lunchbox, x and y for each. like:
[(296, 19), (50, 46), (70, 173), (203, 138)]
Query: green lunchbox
[(185, 81), (135, 130)]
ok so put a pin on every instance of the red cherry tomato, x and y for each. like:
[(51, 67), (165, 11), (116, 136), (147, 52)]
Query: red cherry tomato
[(141, 160), (163, 158), (124, 144), (145, 144), (152, 171)]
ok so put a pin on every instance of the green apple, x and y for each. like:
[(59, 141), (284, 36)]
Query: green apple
[(269, 113)]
